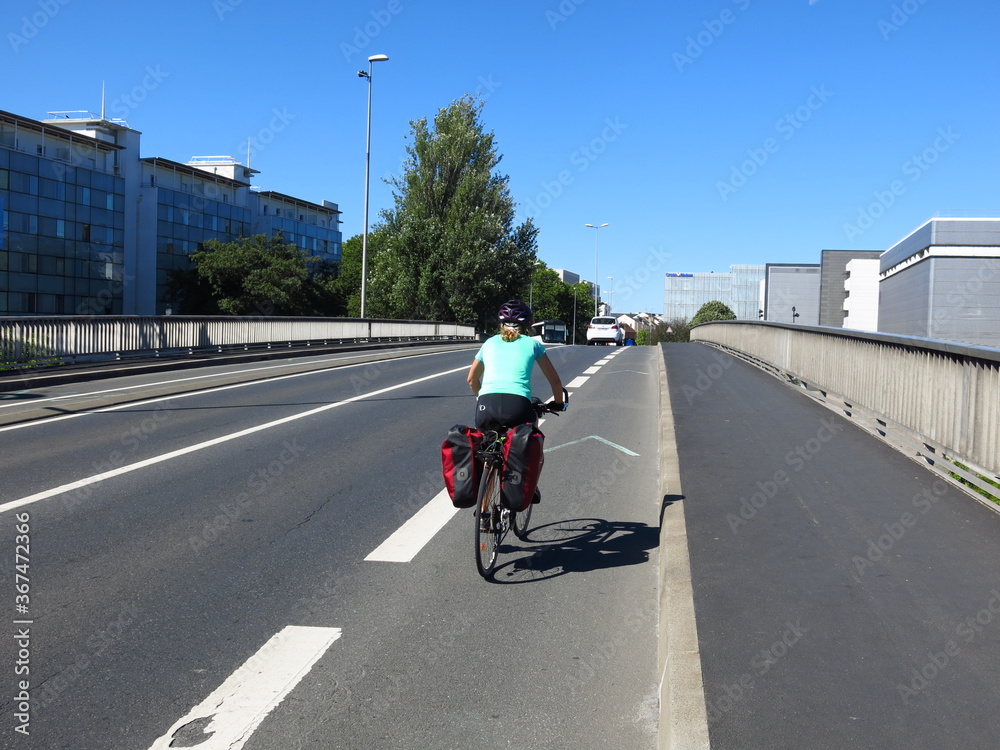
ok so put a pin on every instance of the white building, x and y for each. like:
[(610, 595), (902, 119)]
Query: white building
[(861, 302)]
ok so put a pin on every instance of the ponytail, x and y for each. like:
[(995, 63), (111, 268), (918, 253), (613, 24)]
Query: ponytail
[(509, 333)]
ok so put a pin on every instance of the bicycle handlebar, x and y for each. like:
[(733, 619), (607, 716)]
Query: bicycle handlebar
[(552, 407)]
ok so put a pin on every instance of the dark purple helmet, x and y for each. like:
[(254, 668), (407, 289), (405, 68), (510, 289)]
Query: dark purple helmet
[(515, 312)]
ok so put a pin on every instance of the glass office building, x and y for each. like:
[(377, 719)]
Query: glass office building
[(311, 226), (90, 228), (685, 293), (192, 206), (63, 205)]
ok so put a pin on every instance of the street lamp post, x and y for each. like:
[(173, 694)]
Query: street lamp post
[(574, 316), (597, 239), (611, 294), (368, 154), (531, 288)]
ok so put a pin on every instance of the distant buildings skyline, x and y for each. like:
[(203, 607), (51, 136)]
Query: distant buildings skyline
[(942, 281)]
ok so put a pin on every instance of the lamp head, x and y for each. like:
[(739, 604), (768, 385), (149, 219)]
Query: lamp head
[(362, 74), (378, 58)]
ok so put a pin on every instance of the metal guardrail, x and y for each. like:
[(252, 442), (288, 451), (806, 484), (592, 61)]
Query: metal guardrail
[(938, 400), (47, 340)]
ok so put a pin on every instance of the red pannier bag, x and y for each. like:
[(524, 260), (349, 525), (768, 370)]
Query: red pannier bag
[(459, 465), (522, 453)]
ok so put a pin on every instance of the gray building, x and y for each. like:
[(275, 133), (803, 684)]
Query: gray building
[(791, 293), (943, 282), (832, 285)]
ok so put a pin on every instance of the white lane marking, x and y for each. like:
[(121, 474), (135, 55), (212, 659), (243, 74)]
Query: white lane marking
[(122, 389), (96, 478), (591, 370), (577, 382), (240, 704), (406, 541), (593, 437), (189, 394)]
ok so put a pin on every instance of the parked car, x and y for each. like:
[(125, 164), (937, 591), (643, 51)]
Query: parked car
[(604, 330)]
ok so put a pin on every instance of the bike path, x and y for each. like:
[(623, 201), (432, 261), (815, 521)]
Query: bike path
[(845, 596)]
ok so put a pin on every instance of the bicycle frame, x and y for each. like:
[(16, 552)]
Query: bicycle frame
[(492, 519)]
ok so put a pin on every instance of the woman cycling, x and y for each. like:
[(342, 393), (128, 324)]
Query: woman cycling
[(500, 375)]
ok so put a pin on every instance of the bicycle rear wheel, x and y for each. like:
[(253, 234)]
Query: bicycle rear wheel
[(519, 521), (489, 530)]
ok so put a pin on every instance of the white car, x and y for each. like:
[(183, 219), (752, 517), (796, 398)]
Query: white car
[(604, 330)]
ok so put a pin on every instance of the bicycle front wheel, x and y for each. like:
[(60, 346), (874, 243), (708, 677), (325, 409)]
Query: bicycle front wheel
[(488, 522)]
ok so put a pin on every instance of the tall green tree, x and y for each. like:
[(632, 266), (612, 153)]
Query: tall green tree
[(449, 248), (576, 302), (545, 293), (346, 287), (257, 275)]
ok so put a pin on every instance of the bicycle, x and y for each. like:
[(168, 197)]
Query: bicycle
[(492, 519)]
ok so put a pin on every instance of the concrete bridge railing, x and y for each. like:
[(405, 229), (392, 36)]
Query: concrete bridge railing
[(941, 398), (24, 341)]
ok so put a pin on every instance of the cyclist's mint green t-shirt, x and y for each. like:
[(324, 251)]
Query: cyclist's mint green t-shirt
[(509, 364)]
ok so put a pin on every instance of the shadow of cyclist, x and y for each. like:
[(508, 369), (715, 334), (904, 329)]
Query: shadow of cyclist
[(579, 545)]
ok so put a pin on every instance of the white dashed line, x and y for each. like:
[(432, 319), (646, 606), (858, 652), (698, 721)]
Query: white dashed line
[(227, 718), (412, 536)]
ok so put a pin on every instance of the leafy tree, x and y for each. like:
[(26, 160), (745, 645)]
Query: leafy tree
[(257, 275), (545, 293), (578, 297), (346, 286), (714, 310), (189, 293), (449, 249)]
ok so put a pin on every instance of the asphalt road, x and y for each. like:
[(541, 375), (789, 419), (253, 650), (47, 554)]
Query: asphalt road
[(196, 565), (845, 596)]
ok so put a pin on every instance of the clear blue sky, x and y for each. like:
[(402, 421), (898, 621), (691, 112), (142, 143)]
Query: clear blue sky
[(705, 133)]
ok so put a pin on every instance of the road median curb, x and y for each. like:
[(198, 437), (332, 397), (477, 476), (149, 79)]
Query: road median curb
[(683, 716)]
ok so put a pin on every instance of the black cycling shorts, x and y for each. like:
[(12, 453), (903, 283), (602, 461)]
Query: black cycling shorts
[(497, 410)]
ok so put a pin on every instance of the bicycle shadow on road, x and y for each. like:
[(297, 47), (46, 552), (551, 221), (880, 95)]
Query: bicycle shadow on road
[(576, 546)]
